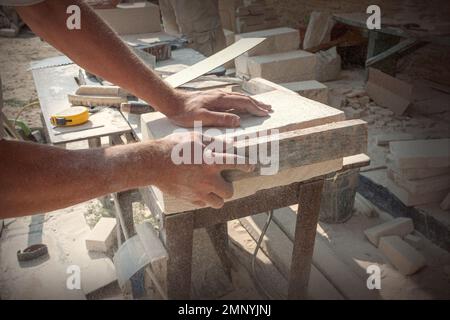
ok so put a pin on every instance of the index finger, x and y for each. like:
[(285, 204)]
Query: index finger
[(259, 103), (243, 103)]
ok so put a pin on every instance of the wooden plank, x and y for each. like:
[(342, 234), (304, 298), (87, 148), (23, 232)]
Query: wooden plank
[(433, 153), (309, 195), (311, 145), (177, 236), (216, 60), (52, 86)]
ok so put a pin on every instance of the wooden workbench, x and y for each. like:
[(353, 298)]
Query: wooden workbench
[(311, 135), (52, 86)]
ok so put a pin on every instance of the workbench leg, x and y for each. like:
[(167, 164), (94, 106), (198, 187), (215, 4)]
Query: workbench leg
[(177, 235), (219, 238), (123, 202), (305, 234), (105, 200), (94, 143)]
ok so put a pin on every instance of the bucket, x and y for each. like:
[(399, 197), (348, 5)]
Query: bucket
[(338, 196)]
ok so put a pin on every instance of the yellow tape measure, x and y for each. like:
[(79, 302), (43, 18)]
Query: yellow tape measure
[(70, 117)]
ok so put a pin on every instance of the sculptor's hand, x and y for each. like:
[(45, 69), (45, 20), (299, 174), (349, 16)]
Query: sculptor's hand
[(216, 108), (200, 184)]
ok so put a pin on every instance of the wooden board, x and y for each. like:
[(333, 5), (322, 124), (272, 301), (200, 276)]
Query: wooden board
[(52, 86), (212, 62), (311, 145)]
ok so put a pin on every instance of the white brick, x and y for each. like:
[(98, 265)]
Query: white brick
[(99, 273), (311, 89), (404, 257), (260, 85), (277, 40), (399, 227), (102, 236), (283, 67), (409, 199), (414, 241), (241, 64), (132, 18)]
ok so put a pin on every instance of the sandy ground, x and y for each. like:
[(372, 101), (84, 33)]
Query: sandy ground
[(17, 82), (64, 230)]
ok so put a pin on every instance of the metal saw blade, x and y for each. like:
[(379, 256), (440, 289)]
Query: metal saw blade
[(50, 62)]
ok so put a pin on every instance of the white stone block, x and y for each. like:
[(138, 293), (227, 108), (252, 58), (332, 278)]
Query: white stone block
[(277, 40), (102, 236), (283, 67), (404, 257), (311, 89), (399, 227)]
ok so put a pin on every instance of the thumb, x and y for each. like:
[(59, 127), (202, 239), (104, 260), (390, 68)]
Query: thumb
[(219, 119)]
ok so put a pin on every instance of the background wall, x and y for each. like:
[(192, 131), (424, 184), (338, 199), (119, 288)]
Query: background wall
[(431, 62)]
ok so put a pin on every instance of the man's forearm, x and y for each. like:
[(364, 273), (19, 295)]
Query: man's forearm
[(99, 50), (39, 178)]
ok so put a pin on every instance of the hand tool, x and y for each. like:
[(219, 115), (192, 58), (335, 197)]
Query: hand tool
[(136, 107), (70, 117)]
